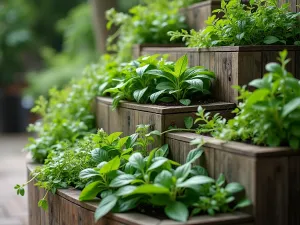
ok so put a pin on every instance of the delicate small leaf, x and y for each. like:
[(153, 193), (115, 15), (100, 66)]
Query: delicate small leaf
[(243, 203), (183, 171), (271, 40), (157, 164), (43, 204), (141, 70), (155, 96), (291, 106), (162, 151), (114, 136), (188, 122), (138, 94), (273, 67), (185, 101), (105, 206), (221, 180), (88, 173)]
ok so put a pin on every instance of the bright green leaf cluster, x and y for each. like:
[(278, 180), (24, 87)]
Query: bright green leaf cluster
[(261, 22), (149, 79), (270, 115), (162, 183)]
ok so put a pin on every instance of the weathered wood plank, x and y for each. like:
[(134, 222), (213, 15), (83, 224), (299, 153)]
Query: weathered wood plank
[(33, 198), (294, 190)]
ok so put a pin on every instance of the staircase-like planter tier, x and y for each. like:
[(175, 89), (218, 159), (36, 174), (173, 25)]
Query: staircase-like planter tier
[(66, 209), (198, 13), (233, 65), (270, 175), (128, 115)]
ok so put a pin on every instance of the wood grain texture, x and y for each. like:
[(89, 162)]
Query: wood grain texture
[(270, 175), (128, 115)]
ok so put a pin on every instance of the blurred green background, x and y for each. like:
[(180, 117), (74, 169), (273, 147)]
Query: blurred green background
[(43, 43)]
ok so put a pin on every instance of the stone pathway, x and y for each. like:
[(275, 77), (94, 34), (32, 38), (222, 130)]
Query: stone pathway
[(13, 208)]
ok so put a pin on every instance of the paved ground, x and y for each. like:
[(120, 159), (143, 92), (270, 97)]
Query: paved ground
[(13, 208)]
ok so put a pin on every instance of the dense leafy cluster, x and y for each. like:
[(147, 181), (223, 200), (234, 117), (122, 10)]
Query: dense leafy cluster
[(68, 114), (149, 79), (147, 23), (268, 116), (162, 183), (262, 22)]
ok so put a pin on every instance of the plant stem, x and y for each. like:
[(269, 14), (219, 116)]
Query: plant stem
[(178, 129)]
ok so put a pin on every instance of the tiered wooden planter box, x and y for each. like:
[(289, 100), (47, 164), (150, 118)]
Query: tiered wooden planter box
[(233, 65), (66, 209), (128, 115), (271, 176), (198, 13)]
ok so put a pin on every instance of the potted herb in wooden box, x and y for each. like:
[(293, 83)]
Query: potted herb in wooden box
[(177, 89), (268, 116), (237, 49)]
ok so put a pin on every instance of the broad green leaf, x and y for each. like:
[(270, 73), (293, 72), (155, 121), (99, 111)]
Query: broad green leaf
[(188, 122), (196, 180), (271, 40), (160, 200), (157, 163), (88, 173), (150, 157), (196, 84), (164, 178), (294, 142), (112, 165), (167, 99), (177, 211), (240, 36), (234, 187), (274, 67), (181, 65), (122, 180), (256, 96), (221, 180), (199, 170), (138, 94), (183, 171), (114, 136), (162, 151), (162, 86), (149, 189), (291, 106), (122, 142), (137, 161), (90, 191), (131, 140), (194, 155), (99, 155), (105, 206), (126, 190), (141, 70), (155, 96), (185, 101), (124, 205), (243, 203)]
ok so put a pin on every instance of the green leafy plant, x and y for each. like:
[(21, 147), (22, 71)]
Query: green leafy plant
[(267, 116), (69, 164), (161, 81), (147, 23), (153, 180), (262, 22)]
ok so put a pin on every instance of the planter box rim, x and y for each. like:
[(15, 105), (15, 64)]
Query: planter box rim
[(236, 147), (203, 3), (244, 48), (160, 109), (135, 218)]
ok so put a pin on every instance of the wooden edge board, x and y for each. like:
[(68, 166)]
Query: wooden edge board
[(245, 48), (151, 45), (134, 218), (204, 3), (235, 147), (168, 109)]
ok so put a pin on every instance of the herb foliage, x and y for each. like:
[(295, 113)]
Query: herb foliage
[(262, 22), (164, 184)]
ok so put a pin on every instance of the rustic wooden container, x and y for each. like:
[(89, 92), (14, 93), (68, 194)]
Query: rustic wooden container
[(137, 49), (233, 65), (198, 13), (293, 4), (128, 115), (66, 209), (271, 176)]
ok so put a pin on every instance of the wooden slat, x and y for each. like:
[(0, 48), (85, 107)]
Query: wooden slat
[(33, 198), (294, 190), (271, 186), (102, 113)]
